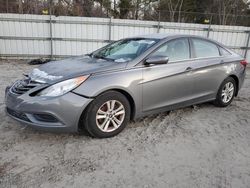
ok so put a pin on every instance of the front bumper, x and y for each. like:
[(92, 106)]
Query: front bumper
[(60, 114)]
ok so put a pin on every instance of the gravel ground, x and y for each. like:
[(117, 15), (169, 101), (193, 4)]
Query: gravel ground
[(200, 146)]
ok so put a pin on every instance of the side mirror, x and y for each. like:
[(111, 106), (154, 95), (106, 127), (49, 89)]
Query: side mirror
[(156, 60)]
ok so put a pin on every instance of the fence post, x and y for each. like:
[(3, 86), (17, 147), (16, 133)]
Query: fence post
[(51, 32), (159, 22), (247, 44), (209, 27), (110, 27)]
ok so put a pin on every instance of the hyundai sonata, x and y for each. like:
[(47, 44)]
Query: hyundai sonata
[(130, 78)]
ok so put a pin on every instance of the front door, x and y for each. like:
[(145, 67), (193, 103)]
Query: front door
[(170, 83)]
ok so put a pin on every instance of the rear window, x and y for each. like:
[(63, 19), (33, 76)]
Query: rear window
[(205, 48)]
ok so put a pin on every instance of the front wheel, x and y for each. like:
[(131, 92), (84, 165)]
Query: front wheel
[(107, 115), (226, 92)]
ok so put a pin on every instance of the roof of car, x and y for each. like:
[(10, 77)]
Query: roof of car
[(167, 35), (161, 36), (158, 35)]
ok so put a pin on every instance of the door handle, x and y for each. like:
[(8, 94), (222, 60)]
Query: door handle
[(189, 68), (222, 62)]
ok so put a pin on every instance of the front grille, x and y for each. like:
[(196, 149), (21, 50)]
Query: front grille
[(17, 114), (22, 86)]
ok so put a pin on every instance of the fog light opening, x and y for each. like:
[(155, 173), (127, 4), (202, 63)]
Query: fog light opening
[(45, 118)]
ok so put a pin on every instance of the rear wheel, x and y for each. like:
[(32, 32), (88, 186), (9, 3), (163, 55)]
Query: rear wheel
[(107, 115), (226, 92)]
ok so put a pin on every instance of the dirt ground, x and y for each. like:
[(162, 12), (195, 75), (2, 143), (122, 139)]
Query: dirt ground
[(200, 146)]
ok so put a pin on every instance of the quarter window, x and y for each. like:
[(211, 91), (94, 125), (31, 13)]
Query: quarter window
[(224, 52), (175, 50), (205, 49)]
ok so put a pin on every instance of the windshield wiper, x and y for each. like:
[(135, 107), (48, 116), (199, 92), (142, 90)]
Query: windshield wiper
[(102, 57), (90, 55)]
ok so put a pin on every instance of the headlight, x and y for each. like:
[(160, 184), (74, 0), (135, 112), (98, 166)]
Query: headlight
[(62, 87)]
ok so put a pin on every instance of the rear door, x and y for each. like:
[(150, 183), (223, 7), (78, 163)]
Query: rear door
[(208, 68), (170, 83)]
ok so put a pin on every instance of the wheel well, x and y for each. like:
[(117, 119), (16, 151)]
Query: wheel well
[(237, 83), (126, 94), (130, 100)]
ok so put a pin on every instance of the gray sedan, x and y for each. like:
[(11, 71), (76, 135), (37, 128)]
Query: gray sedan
[(102, 91)]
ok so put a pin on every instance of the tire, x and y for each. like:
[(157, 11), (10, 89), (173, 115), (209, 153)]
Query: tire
[(101, 121), (220, 98)]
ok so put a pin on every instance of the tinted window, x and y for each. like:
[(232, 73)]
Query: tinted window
[(205, 49), (176, 50)]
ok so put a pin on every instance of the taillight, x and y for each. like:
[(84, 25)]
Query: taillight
[(244, 63)]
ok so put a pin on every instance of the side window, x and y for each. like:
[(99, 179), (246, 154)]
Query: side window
[(224, 52), (204, 48), (176, 50)]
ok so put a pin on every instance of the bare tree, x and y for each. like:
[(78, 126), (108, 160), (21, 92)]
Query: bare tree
[(226, 12), (174, 8)]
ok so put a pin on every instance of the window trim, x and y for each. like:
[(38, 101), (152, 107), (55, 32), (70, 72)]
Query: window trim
[(191, 51)]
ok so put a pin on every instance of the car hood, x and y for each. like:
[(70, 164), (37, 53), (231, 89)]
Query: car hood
[(55, 71)]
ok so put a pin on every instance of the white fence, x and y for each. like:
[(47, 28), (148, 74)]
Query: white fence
[(32, 36)]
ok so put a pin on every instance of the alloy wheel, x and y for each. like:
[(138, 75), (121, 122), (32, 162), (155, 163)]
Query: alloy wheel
[(227, 92), (110, 116)]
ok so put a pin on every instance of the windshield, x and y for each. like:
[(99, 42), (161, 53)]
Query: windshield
[(125, 50)]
